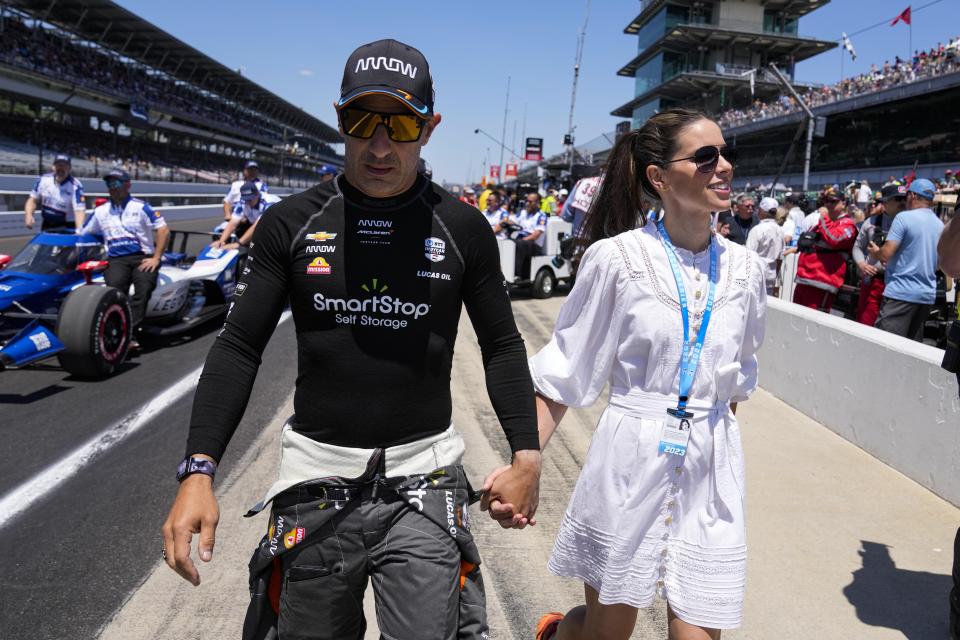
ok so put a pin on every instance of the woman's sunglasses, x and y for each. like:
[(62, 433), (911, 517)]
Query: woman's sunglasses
[(706, 158), (401, 127)]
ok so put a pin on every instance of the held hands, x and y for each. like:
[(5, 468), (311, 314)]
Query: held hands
[(511, 493), (195, 510), (149, 264)]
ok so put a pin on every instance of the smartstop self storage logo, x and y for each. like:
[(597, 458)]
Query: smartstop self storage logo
[(379, 309)]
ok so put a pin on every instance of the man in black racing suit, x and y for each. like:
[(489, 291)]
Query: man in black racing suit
[(376, 265)]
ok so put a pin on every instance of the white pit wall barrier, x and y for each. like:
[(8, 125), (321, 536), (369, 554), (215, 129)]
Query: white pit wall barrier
[(886, 394)]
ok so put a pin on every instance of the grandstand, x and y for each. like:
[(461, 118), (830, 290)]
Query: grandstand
[(92, 79)]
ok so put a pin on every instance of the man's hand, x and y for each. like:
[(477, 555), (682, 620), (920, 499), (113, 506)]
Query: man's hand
[(867, 270), (231, 246), (216, 244), (195, 510), (873, 249), (28, 220), (149, 264), (512, 494)]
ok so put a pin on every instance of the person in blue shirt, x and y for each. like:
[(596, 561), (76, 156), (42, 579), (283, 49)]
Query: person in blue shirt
[(910, 255), (59, 196)]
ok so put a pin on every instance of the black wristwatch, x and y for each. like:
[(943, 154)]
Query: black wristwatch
[(189, 466)]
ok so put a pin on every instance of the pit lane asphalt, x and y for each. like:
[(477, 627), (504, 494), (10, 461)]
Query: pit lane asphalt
[(70, 561)]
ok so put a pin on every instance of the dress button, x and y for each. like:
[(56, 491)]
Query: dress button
[(697, 277), (679, 470), (660, 583), (668, 520), (663, 553), (697, 295), (671, 503)]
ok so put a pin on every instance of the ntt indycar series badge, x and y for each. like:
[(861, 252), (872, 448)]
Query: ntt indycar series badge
[(376, 311)]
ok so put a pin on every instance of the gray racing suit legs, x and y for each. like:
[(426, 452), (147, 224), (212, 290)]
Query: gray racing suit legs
[(408, 535), (414, 565)]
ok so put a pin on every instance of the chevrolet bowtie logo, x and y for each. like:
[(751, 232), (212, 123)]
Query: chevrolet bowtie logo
[(321, 236)]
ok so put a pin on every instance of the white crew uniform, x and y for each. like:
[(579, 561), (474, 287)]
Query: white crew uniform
[(640, 522), (233, 195), (127, 229), (531, 222), (59, 202), (766, 239), (496, 217), (243, 211)]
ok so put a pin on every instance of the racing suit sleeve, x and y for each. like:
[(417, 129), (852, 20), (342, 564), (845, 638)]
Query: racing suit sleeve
[(504, 356), (838, 234), (233, 361)]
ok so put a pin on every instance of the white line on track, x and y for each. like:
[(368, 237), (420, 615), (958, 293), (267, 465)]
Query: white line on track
[(24, 496)]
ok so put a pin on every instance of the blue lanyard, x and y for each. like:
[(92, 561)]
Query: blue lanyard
[(690, 355)]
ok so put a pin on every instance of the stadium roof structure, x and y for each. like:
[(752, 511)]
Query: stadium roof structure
[(790, 8), (117, 29)]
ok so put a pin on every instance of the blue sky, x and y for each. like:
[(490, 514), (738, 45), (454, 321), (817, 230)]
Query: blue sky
[(296, 48)]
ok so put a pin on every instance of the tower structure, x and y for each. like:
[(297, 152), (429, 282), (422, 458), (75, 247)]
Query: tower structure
[(713, 55)]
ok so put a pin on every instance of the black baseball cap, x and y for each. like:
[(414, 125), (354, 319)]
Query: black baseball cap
[(61, 157), (251, 164), (893, 190), (249, 191), (390, 68)]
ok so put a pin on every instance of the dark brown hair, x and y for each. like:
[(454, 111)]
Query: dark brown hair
[(626, 191)]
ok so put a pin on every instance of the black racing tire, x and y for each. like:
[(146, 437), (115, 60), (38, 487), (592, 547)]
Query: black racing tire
[(544, 284), (94, 326)]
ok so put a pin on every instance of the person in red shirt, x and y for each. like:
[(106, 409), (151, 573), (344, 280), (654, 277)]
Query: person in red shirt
[(823, 263)]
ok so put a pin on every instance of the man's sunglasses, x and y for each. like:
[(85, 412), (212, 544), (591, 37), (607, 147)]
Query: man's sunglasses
[(706, 158), (114, 183), (401, 127)]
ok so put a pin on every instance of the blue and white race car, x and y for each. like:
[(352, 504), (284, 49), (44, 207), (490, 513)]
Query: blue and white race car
[(53, 301)]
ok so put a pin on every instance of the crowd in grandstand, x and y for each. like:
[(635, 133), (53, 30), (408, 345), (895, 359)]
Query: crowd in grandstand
[(50, 52), (925, 64)]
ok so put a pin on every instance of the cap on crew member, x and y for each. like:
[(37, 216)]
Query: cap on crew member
[(923, 188), (249, 191), (117, 173), (391, 68), (251, 164), (61, 157)]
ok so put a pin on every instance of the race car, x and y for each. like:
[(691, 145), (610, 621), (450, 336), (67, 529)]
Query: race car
[(53, 301)]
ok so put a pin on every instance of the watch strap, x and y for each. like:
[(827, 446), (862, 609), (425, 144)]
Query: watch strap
[(189, 466)]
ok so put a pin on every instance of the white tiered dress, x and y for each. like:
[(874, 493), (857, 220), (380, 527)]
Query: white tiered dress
[(639, 522)]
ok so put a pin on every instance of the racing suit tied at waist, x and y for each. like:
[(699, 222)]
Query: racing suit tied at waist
[(303, 459)]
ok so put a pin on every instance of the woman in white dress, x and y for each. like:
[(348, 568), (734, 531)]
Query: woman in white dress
[(659, 505)]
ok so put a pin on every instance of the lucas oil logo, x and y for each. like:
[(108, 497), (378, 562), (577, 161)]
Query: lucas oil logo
[(434, 249), (319, 266)]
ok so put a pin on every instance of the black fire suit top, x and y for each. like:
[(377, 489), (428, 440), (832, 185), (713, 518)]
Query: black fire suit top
[(375, 287)]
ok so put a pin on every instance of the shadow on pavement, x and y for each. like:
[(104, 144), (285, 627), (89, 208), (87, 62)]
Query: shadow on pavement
[(912, 602), (33, 396)]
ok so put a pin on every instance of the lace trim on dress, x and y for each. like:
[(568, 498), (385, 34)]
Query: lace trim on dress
[(665, 297), (633, 273)]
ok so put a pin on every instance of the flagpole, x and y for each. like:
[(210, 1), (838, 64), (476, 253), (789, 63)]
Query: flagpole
[(843, 52)]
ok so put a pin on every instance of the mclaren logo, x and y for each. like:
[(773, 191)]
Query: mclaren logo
[(390, 64)]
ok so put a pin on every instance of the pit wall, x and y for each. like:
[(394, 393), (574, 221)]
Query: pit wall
[(884, 393)]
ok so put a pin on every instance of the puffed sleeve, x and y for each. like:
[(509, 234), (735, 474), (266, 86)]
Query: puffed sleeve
[(575, 365), (753, 332)]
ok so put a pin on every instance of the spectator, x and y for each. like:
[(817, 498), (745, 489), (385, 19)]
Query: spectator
[(766, 238), (949, 184), (795, 215), (532, 236), (743, 220), (864, 195), (910, 254), (948, 248), (724, 222), (496, 215), (578, 203), (824, 249), (469, 196), (872, 272), (549, 204)]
